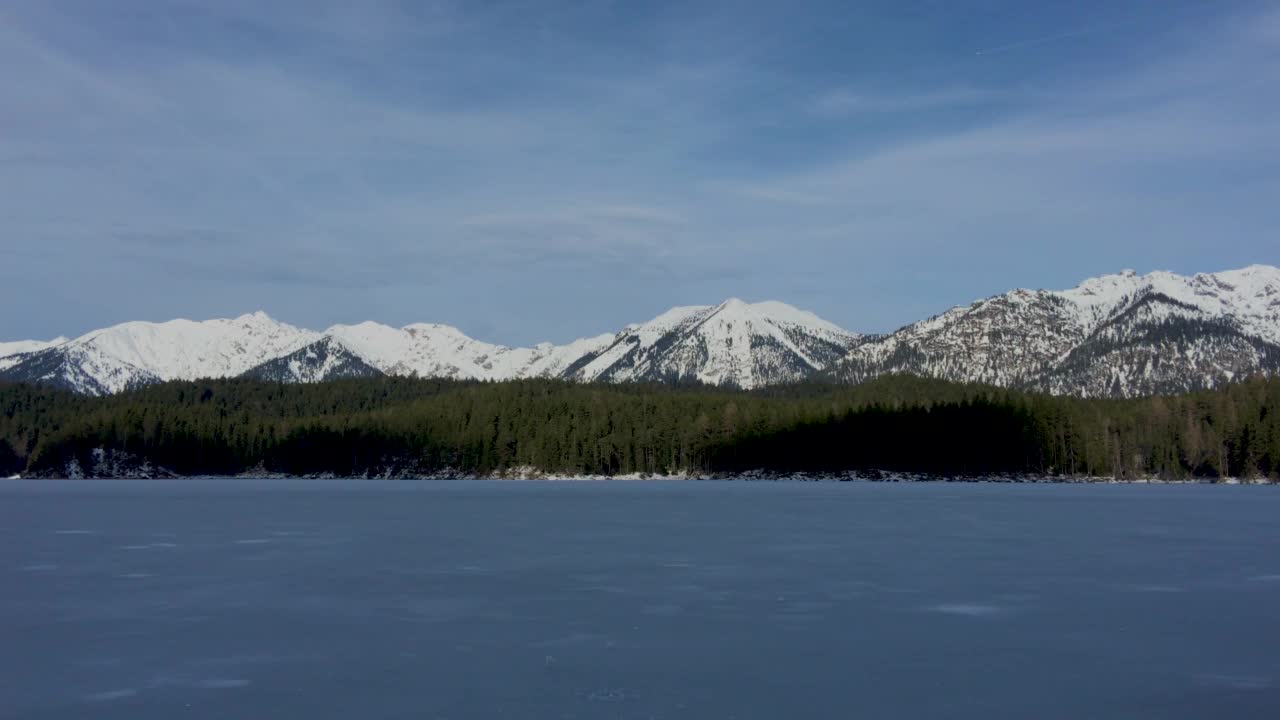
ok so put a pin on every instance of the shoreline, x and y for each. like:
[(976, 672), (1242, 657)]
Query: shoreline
[(531, 475), (115, 465)]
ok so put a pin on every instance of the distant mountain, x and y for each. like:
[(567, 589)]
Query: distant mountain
[(324, 359), (431, 350), (732, 343), (139, 353), (10, 351), (1116, 335)]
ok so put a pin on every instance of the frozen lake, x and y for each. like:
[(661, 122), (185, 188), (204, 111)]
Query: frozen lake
[(337, 599)]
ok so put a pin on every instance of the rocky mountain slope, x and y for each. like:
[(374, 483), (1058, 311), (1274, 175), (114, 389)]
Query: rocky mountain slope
[(324, 359), (9, 351), (1116, 335), (732, 343), (137, 353)]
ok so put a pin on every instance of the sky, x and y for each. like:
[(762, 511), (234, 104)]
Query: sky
[(531, 171)]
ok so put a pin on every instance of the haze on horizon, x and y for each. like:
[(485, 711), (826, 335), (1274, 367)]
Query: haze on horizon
[(542, 171)]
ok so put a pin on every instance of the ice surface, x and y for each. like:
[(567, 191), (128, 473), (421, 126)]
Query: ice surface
[(710, 600)]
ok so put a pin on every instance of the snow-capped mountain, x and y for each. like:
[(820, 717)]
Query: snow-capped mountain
[(1115, 335), (324, 359), (10, 351), (734, 343), (431, 350), (731, 343), (20, 347), (138, 353)]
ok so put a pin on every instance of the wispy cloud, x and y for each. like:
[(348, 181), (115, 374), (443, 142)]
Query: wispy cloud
[(445, 161), (1127, 145)]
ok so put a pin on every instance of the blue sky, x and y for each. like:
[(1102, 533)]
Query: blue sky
[(534, 171)]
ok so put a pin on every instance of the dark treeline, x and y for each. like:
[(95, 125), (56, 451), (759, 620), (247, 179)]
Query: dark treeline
[(405, 427)]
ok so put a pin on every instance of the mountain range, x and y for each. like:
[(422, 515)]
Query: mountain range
[(1117, 335)]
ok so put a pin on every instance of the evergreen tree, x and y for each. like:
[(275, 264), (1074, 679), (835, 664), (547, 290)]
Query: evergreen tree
[(407, 426)]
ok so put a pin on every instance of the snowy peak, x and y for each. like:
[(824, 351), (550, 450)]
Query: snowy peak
[(324, 359), (19, 347), (1249, 296), (186, 349), (133, 353), (1115, 335), (779, 314), (733, 343), (11, 352), (434, 350)]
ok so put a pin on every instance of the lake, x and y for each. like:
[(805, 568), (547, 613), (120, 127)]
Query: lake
[(636, 599)]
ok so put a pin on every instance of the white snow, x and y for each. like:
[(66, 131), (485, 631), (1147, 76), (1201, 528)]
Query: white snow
[(186, 350), (739, 342), (720, 344), (1018, 337), (1005, 339), (1250, 295), (27, 346), (9, 351), (785, 314), (112, 358), (433, 350)]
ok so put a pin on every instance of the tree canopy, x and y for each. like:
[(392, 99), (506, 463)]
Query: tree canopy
[(405, 427)]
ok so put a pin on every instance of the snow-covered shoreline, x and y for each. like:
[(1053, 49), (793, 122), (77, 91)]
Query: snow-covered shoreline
[(149, 472), (116, 465)]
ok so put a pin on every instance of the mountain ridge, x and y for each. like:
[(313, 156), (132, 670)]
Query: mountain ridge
[(130, 354), (1118, 334)]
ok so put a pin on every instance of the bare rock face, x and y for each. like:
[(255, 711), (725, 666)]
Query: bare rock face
[(733, 343), (1116, 336)]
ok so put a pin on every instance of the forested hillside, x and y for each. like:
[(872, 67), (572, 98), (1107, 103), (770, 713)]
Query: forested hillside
[(403, 427)]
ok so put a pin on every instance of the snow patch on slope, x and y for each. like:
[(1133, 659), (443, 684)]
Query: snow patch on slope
[(19, 347), (1120, 334), (434, 350), (135, 353), (1249, 296), (735, 342), (10, 351)]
